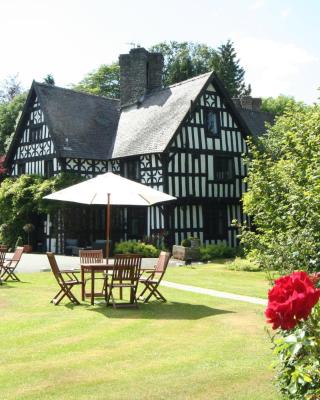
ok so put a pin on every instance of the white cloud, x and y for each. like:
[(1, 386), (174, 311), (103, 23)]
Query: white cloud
[(257, 4), (273, 67), (285, 12)]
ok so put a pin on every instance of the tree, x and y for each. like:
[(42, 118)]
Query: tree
[(184, 60), (278, 105), (283, 199), (21, 201), (9, 112), (105, 81), (227, 67), (10, 88), (49, 80)]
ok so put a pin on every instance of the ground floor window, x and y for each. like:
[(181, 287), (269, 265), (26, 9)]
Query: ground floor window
[(215, 223), (136, 222)]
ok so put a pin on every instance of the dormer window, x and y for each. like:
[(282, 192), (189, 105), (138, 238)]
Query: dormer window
[(212, 123)]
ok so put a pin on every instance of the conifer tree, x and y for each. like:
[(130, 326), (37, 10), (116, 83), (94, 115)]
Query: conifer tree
[(227, 67)]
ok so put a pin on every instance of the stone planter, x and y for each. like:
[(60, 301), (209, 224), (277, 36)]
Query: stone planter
[(186, 253)]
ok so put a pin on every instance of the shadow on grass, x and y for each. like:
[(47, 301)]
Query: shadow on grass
[(165, 311)]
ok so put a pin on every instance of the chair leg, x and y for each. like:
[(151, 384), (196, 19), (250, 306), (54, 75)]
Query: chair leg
[(108, 296), (144, 290), (62, 293), (154, 292)]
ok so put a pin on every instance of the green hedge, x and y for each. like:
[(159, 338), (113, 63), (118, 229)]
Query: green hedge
[(131, 247), (213, 251)]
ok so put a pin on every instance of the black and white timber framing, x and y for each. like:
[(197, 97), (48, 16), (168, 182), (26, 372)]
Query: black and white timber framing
[(196, 156)]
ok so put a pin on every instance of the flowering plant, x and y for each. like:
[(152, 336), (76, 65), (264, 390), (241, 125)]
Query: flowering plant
[(291, 300), (294, 310)]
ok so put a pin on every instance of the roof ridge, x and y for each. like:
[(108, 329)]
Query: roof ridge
[(194, 78), (189, 80), (76, 91), (254, 111)]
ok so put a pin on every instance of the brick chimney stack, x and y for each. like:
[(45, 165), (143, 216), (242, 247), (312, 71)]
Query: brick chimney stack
[(248, 103), (140, 72)]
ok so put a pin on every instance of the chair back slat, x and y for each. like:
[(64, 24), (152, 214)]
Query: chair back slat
[(55, 269), (17, 254), (162, 262), (3, 251), (91, 256), (126, 267)]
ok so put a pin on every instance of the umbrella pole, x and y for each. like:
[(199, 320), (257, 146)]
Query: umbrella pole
[(108, 229)]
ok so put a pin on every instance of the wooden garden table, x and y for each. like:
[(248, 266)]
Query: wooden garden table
[(92, 269)]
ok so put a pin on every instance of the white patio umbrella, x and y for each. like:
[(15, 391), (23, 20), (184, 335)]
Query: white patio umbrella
[(110, 189)]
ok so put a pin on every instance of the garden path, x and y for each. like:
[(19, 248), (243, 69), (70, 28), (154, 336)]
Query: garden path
[(214, 293)]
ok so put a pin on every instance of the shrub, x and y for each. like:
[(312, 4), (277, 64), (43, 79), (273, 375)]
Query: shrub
[(283, 197), (132, 247), (186, 243), (212, 251), (243, 264)]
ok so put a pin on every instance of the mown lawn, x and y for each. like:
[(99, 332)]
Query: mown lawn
[(217, 276), (192, 347)]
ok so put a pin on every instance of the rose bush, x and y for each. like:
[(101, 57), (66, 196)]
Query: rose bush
[(294, 310)]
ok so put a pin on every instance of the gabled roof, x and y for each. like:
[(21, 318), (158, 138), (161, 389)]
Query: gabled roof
[(91, 127), (81, 125), (149, 126)]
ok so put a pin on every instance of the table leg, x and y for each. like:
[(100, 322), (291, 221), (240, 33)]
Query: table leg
[(83, 284), (92, 287)]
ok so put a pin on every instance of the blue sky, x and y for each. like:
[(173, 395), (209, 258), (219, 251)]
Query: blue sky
[(277, 41)]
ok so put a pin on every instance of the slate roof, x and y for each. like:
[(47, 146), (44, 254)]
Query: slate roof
[(256, 120), (149, 126), (81, 125), (91, 127)]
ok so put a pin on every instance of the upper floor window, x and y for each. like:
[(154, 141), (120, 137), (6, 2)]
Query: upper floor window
[(223, 169), (34, 135), (211, 121), (131, 169)]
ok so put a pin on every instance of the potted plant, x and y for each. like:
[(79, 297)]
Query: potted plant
[(185, 252), (28, 228)]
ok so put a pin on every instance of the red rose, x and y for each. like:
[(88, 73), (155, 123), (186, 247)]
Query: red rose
[(291, 300)]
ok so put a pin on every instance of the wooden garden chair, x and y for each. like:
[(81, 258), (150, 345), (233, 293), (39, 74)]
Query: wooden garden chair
[(66, 279), (9, 266), (3, 251), (91, 257), (154, 277), (125, 274)]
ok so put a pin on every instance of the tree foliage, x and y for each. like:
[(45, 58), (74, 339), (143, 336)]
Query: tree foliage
[(105, 81), (9, 112), (185, 60), (278, 105), (182, 60), (10, 88), (21, 200), (49, 80), (283, 199), (227, 67)]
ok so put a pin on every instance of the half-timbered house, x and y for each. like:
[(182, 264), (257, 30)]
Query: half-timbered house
[(187, 139)]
